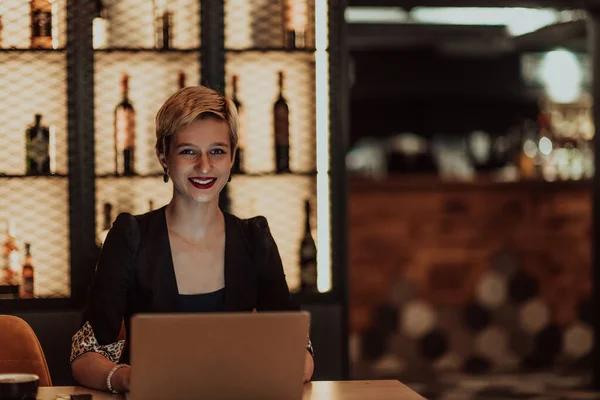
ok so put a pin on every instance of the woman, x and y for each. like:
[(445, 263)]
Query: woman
[(188, 256)]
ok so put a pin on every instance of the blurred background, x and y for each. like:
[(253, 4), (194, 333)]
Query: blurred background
[(471, 161), (426, 168)]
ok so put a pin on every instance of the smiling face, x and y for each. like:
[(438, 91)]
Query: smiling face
[(199, 160)]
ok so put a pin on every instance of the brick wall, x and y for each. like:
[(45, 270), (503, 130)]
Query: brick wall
[(476, 277)]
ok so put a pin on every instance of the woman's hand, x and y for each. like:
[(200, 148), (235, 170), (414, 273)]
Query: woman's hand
[(309, 366)]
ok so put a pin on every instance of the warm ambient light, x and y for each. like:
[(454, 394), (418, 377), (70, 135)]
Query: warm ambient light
[(545, 146), (518, 21), (322, 121), (55, 23), (562, 76), (381, 15)]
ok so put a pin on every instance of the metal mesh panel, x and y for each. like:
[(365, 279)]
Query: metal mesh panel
[(38, 208), (153, 78), (261, 23), (257, 50), (132, 23), (258, 90), (33, 81)]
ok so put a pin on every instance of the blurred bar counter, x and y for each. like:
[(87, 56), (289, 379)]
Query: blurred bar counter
[(404, 182), (458, 246)]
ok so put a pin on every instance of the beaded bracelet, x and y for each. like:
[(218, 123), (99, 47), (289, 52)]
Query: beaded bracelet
[(110, 374)]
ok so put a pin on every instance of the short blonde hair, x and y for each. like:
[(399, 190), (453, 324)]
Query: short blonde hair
[(191, 104)]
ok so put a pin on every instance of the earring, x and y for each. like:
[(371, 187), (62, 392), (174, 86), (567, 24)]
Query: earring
[(165, 176)]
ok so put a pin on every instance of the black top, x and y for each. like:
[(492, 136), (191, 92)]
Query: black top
[(135, 273), (204, 302)]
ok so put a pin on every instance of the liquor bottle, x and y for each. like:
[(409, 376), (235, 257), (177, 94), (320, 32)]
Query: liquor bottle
[(37, 139), (100, 26), (41, 24), (239, 155), (294, 24), (124, 132), (181, 80), (162, 25), (282, 131), (106, 225), (27, 275), (10, 256), (308, 256)]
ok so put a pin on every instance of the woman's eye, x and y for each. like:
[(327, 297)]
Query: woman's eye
[(187, 151), (218, 151)]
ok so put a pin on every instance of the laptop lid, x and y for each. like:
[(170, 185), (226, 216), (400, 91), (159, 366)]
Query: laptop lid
[(218, 356)]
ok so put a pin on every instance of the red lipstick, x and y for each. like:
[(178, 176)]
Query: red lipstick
[(203, 183)]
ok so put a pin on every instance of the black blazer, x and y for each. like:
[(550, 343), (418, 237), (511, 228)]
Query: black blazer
[(135, 273)]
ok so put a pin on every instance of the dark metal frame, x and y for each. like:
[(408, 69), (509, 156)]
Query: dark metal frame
[(212, 49), (82, 200), (338, 143)]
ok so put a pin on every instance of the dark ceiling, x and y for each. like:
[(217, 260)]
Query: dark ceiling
[(473, 41)]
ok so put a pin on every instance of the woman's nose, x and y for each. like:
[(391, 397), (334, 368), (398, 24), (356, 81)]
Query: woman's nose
[(203, 163)]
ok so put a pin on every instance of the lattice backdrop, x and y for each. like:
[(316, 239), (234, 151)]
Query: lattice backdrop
[(132, 25), (259, 23), (258, 90), (38, 207), (34, 82)]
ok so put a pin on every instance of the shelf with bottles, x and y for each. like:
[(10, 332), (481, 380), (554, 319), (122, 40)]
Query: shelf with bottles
[(282, 202), (35, 213), (129, 92), (270, 24), (160, 25), (36, 83), (36, 25), (41, 152), (270, 88)]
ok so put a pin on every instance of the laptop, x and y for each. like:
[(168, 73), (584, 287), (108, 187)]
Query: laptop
[(218, 356)]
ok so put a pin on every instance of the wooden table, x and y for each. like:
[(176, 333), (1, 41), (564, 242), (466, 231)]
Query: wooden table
[(342, 390)]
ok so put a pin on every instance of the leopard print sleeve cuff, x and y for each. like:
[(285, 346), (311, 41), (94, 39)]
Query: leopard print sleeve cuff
[(85, 340)]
